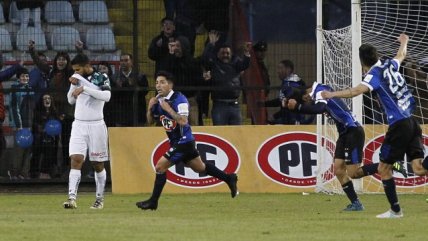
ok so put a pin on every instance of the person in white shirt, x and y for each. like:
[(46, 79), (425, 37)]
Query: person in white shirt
[(89, 90)]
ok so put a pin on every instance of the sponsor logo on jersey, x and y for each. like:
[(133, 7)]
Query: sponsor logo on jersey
[(291, 159), (371, 155), (212, 149)]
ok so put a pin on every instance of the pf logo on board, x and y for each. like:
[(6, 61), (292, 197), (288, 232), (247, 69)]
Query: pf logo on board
[(291, 159), (212, 149)]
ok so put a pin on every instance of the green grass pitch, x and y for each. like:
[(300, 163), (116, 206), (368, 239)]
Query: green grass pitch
[(210, 217)]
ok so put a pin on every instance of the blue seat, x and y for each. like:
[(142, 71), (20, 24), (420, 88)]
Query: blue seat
[(93, 12), (24, 35), (100, 39), (57, 12), (14, 13), (2, 21), (5, 42), (64, 38)]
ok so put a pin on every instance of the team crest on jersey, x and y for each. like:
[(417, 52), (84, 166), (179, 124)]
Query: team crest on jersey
[(167, 123)]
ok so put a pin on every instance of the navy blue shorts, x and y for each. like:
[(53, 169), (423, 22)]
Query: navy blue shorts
[(182, 152), (403, 137), (349, 146)]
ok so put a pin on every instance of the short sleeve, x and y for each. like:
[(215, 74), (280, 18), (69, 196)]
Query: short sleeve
[(183, 109)]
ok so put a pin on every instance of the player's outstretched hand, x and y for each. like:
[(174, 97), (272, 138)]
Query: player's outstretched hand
[(326, 95)]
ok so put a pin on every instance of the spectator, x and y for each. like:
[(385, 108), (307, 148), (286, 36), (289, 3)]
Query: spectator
[(45, 147), (158, 49), (58, 87), (109, 111), (260, 49), (289, 83), (224, 73), (23, 103), (5, 75), (126, 83), (39, 75), (187, 72), (25, 8), (105, 68)]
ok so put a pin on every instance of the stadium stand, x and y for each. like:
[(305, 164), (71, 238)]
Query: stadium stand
[(2, 20), (5, 42), (93, 12), (25, 35), (64, 38), (100, 39), (59, 12), (14, 14)]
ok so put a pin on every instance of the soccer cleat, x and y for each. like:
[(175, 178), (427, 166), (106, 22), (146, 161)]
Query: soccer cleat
[(399, 167), (232, 185), (70, 204), (98, 204), (148, 204), (355, 206), (390, 214)]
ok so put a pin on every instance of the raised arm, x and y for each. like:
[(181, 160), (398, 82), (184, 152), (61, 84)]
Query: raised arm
[(402, 51)]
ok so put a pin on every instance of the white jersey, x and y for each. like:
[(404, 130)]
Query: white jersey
[(90, 103)]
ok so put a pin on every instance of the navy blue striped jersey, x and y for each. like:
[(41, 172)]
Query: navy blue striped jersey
[(385, 80), (177, 134), (335, 107)]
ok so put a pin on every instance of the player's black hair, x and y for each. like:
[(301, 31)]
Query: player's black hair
[(80, 59), (168, 76), (288, 63), (368, 55)]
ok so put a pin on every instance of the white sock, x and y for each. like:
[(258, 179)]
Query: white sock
[(100, 181), (73, 183)]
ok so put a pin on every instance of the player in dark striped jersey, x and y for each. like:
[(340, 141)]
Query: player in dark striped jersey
[(172, 109), (404, 135), (349, 146)]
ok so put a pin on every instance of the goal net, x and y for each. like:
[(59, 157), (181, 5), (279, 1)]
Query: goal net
[(380, 24)]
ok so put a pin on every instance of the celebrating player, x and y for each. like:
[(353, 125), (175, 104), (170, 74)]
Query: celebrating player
[(172, 109), (404, 135), (89, 90), (349, 146)]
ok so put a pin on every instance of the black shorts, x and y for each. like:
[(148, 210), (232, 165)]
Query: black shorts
[(182, 152), (349, 146), (403, 137)]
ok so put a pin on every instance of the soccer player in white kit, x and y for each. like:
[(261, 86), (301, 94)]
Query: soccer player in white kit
[(89, 90)]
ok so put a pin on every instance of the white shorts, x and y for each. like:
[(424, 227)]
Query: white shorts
[(92, 136)]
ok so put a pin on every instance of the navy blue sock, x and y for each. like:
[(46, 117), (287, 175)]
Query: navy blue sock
[(213, 171), (391, 194), (370, 169), (348, 188), (158, 187), (425, 163)]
